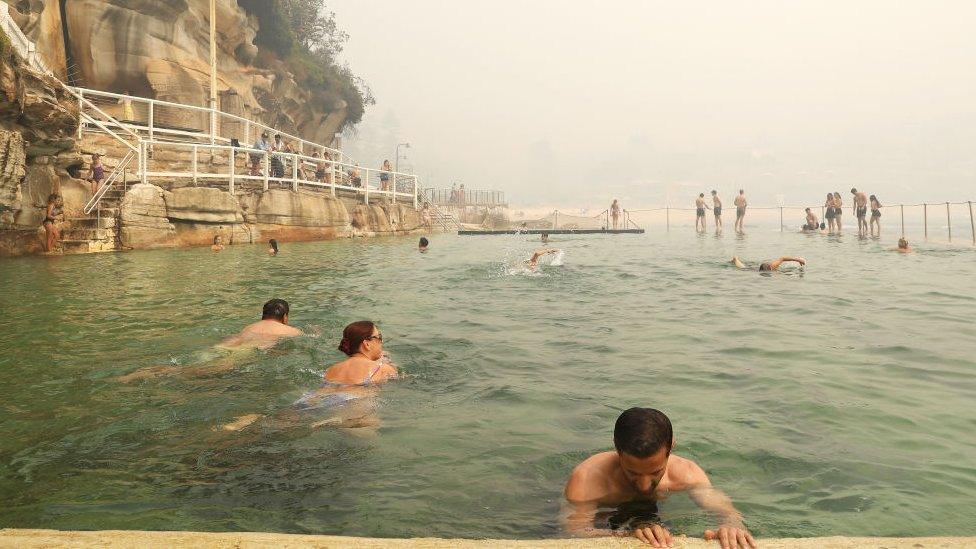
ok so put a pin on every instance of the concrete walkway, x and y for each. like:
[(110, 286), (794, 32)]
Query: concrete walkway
[(249, 540)]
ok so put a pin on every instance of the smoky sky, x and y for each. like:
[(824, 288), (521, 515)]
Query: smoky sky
[(572, 103)]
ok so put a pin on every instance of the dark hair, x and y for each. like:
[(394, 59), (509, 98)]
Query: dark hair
[(808, 209), (701, 194), (216, 236), (52, 197), (873, 197), (424, 242), (276, 309), (822, 225), (274, 245), (714, 191), (742, 191), (354, 335), (766, 266), (853, 190), (641, 432)]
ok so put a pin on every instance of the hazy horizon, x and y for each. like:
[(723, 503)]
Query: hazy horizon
[(573, 104)]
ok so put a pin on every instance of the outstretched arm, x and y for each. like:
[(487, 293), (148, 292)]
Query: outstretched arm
[(731, 531), (774, 264)]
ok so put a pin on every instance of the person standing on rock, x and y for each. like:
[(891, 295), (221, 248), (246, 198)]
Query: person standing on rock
[(55, 208), (97, 173), (615, 214), (385, 170), (740, 210), (700, 213), (717, 210)]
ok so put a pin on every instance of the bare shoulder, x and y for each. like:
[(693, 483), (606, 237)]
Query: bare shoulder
[(590, 480), (684, 473)]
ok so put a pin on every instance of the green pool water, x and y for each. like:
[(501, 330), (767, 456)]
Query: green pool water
[(834, 400)]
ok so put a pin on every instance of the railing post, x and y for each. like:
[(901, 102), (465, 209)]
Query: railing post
[(193, 165), (365, 184), (925, 219), (213, 123), (267, 169), (902, 206), (233, 159), (415, 195), (81, 109), (142, 162), (247, 131), (949, 222), (151, 115), (394, 179), (555, 221), (780, 219), (294, 171), (972, 226)]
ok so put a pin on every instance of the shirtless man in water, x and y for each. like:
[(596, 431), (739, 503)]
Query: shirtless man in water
[(263, 334), (740, 210), (642, 468), (769, 265), (700, 213), (860, 210)]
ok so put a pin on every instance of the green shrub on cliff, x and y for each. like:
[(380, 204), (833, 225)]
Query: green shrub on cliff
[(6, 48), (306, 37)]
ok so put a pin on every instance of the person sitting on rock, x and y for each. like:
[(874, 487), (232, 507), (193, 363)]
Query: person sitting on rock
[(218, 243), (55, 208)]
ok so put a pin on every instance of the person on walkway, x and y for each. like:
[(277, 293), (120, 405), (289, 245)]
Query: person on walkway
[(838, 211), (717, 210), (128, 114), (461, 197), (96, 173), (642, 469), (875, 215), (218, 243), (355, 177), (740, 210), (830, 212), (700, 213), (277, 162), (55, 209), (769, 265), (262, 145), (860, 210), (454, 194), (615, 214), (385, 170), (272, 247)]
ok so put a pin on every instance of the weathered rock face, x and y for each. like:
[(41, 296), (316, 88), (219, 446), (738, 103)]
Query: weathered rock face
[(202, 204), (13, 163), (283, 207), (143, 219), (161, 49)]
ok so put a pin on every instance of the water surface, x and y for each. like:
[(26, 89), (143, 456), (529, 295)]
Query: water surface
[(833, 400)]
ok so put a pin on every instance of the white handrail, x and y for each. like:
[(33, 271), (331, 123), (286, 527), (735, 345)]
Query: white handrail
[(109, 181), (24, 47)]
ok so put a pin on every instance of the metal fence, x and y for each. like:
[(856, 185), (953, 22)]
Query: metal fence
[(464, 197), (21, 44)]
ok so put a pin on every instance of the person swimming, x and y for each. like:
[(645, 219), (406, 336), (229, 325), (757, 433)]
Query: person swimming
[(356, 377), (424, 243), (272, 247), (768, 265), (642, 469), (903, 246), (263, 334), (544, 238), (218, 243), (533, 262)]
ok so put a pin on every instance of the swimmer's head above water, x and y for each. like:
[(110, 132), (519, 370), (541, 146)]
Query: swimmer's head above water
[(545, 238), (273, 247), (903, 243), (423, 244), (362, 338), (643, 438), (275, 309)]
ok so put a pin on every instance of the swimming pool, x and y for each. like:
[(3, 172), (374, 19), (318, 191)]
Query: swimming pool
[(836, 400)]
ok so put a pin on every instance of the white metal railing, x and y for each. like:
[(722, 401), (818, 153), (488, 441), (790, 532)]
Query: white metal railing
[(117, 173), (168, 120), (236, 166), (21, 44), (465, 197)]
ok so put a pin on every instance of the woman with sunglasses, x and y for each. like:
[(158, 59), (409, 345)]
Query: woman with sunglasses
[(355, 378)]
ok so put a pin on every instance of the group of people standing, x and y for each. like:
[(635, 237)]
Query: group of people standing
[(740, 211), (833, 212)]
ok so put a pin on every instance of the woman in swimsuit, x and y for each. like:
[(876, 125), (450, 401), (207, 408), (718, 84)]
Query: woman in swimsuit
[(838, 210), (875, 215), (830, 212), (385, 170), (348, 385), (55, 207)]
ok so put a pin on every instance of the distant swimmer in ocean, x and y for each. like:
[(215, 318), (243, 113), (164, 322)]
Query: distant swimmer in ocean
[(347, 395), (903, 246), (218, 243), (424, 243), (545, 238), (263, 334), (640, 472), (769, 265), (272, 247), (700, 213), (533, 262)]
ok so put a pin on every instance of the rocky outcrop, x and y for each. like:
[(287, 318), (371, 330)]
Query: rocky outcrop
[(202, 204), (13, 164), (143, 219), (161, 49)]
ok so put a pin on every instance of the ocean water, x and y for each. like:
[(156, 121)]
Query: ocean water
[(834, 399)]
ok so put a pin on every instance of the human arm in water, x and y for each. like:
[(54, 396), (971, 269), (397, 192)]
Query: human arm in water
[(731, 532), (540, 253), (774, 264), (738, 262)]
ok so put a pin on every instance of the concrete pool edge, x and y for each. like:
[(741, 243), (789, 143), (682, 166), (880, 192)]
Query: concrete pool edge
[(13, 537)]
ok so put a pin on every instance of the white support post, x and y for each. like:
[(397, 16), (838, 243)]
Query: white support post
[(294, 172), (151, 116), (233, 158), (213, 124), (81, 108), (267, 169), (364, 181), (143, 162), (247, 132), (335, 175), (415, 192), (193, 165), (394, 180)]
